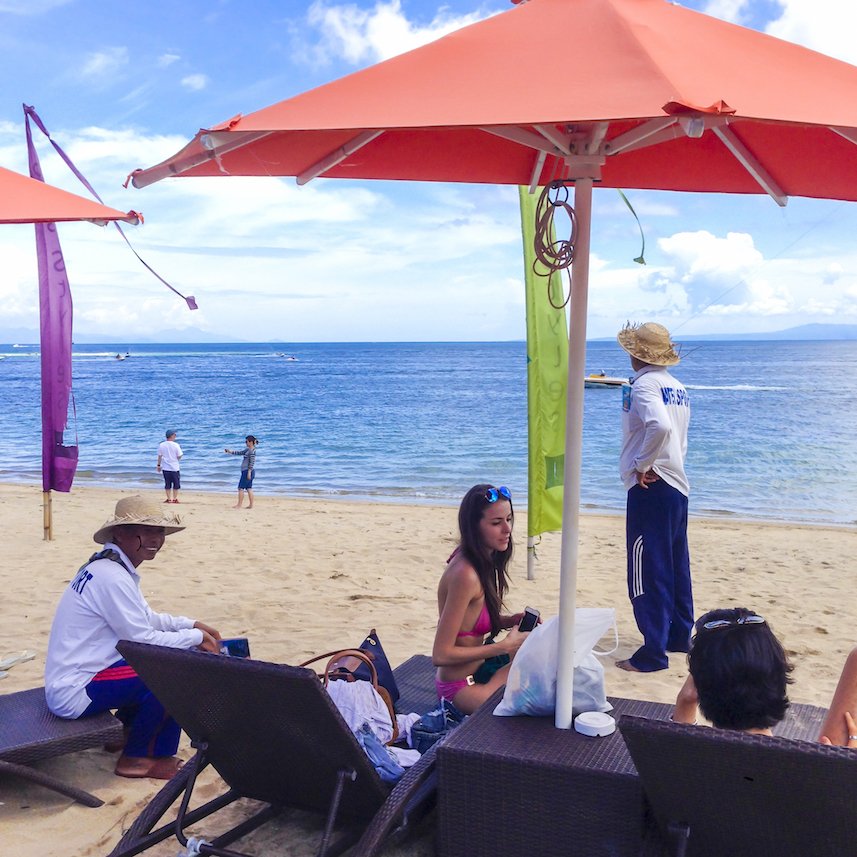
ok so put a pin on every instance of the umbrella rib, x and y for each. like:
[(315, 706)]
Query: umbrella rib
[(522, 136), (849, 134), (638, 136), (337, 156), (537, 171), (551, 134), (747, 160), (213, 144)]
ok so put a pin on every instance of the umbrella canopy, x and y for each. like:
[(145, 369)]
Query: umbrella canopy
[(634, 94), (486, 102), (26, 200)]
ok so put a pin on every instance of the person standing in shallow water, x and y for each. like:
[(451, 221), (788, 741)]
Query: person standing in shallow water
[(248, 470), (169, 456), (655, 419)]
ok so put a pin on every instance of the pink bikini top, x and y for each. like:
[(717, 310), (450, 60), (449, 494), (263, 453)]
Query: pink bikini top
[(482, 626)]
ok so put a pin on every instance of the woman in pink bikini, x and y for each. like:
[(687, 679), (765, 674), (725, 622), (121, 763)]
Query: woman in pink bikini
[(470, 600)]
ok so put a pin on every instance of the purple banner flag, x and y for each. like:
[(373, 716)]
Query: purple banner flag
[(59, 461)]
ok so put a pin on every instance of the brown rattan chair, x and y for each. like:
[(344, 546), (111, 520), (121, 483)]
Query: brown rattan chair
[(29, 733), (274, 735), (716, 792)]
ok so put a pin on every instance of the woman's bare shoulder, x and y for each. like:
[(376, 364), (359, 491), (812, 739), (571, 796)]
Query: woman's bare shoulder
[(461, 574)]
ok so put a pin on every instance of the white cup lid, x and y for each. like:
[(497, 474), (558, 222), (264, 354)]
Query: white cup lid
[(596, 724)]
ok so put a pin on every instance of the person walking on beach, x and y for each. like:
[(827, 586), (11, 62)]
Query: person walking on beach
[(84, 673), (655, 419), (169, 455), (248, 470)]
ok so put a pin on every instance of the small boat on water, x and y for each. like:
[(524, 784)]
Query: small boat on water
[(600, 379)]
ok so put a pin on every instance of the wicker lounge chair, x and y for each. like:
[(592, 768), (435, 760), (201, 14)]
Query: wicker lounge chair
[(30, 733), (274, 735), (715, 792)]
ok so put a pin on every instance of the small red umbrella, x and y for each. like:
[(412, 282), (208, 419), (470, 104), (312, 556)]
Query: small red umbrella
[(26, 200), (621, 93)]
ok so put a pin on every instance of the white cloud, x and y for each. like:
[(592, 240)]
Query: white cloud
[(363, 36), (728, 10), (165, 60), (195, 82), (105, 63), (701, 253), (827, 26)]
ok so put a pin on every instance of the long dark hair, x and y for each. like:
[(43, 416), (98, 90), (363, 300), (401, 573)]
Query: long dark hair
[(490, 565), (740, 670)]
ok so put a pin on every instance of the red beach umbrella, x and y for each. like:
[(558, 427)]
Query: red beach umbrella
[(621, 93), (26, 200)]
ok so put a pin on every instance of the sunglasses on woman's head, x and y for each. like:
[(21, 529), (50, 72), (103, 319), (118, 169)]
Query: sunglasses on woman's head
[(741, 620), (492, 495)]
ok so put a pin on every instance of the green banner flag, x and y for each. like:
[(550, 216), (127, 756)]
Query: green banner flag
[(547, 378)]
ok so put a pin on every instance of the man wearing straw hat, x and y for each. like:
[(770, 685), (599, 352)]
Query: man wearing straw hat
[(84, 674), (655, 418)]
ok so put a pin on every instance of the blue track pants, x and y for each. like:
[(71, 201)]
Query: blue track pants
[(153, 732), (659, 573)]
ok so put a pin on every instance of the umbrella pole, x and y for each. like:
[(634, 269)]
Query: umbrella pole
[(573, 449)]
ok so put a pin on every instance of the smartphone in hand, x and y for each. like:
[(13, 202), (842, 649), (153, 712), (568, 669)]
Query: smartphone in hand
[(529, 620)]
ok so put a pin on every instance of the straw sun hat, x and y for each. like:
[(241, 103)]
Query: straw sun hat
[(649, 342), (140, 511)]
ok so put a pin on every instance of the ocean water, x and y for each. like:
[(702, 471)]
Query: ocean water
[(772, 430)]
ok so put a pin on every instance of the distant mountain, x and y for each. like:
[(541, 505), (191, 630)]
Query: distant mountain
[(806, 332), (28, 336), (801, 332)]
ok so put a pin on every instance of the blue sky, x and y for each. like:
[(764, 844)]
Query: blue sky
[(124, 85)]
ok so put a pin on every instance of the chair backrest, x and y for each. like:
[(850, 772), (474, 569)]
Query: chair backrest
[(272, 731), (745, 795)]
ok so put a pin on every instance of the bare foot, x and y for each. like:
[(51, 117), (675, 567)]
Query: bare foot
[(237, 507), (627, 666), (135, 767)]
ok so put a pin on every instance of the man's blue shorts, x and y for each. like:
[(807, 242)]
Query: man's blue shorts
[(171, 479), (245, 482)]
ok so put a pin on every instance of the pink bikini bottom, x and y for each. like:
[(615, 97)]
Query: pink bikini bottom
[(448, 689)]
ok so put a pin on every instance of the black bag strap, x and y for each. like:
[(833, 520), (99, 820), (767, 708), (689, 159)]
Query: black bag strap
[(107, 553)]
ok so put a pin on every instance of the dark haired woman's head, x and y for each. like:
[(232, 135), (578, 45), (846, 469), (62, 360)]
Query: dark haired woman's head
[(740, 670), (485, 520), (251, 439)]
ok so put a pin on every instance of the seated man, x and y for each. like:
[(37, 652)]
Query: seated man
[(103, 604), (739, 673)]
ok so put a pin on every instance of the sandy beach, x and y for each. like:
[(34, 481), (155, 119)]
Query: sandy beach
[(299, 577)]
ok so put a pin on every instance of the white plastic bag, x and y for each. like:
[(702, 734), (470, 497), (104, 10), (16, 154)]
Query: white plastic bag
[(531, 685)]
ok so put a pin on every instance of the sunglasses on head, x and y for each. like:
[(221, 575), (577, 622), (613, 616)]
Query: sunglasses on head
[(492, 495), (741, 620)]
